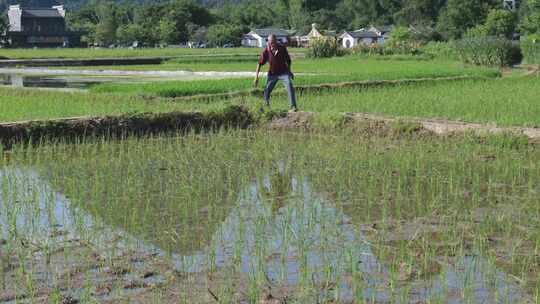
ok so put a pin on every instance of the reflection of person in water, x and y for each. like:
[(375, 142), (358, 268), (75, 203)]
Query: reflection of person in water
[(280, 189)]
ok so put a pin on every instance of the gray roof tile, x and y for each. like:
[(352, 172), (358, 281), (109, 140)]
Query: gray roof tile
[(41, 13)]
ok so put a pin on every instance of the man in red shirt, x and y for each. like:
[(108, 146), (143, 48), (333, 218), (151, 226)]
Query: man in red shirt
[(277, 56)]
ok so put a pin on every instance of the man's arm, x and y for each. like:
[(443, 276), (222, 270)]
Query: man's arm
[(257, 71), (262, 61)]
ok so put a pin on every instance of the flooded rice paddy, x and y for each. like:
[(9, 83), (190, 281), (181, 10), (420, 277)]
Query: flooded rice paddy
[(266, 217), (52, 78)]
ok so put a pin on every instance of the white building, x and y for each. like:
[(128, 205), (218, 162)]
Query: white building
[(369, 36), (259, 37), (362, 36)]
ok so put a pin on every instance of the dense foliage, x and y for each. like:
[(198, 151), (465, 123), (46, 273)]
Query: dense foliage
[(220, 22), (489, 51), (530, 46), (324, 48)]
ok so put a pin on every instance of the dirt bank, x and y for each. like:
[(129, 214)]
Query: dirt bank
[(447, 127), (129, 124), (380, 125)]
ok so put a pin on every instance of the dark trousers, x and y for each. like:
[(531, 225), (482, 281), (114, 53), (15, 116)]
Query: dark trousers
[(271, 82)]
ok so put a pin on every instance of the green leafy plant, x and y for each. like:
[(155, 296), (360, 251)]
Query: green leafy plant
[(324, 47), (530, 46), (488, 51)]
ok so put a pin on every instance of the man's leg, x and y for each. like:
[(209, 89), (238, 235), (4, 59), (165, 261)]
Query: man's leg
[(287, 80), (271, 82)]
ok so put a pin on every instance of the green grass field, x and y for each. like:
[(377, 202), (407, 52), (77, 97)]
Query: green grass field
[(309, 71), (504, 102), (507, 102), (88, 53)]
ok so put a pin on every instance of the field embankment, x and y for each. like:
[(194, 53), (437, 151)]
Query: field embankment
[(499, 105), (123, 125)]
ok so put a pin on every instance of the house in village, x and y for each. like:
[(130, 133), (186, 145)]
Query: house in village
[(383, 32), (362, 36), (259, 37), (39, 27), (369, 36), (305, 40)]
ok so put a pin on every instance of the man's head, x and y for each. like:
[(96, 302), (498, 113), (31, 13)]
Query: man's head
[(272, 40)]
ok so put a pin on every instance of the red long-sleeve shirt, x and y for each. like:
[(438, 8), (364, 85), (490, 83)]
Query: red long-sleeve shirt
[(278, 59)]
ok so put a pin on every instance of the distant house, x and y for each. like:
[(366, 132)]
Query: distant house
[(369, 36), (259, 37), (382, 31), (39, 27), (305, 40), (362, 36)]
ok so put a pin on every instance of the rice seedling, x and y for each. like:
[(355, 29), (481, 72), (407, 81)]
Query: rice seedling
[(258, 215), (505, 102)]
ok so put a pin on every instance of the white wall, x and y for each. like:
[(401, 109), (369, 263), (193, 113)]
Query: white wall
[(14, 16), (349, 42)]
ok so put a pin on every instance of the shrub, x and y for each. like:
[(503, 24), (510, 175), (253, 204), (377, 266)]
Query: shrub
[(403, 47), (324, 47), (500, 23), (530, 46), (369, 49), (488, 51), (441, 50), (402, 42)]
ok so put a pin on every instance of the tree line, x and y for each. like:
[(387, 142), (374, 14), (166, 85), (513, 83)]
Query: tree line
[(218, 22)]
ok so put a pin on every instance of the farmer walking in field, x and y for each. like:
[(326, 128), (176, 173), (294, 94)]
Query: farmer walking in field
[(277, 56)]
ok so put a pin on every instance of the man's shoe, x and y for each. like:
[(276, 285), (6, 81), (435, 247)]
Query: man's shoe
[(293, 110)]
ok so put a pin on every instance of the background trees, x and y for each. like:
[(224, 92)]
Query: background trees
[(107, 22)]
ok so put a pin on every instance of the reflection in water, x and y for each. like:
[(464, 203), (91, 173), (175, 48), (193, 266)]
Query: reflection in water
[(83, 79), (27, 81), (292, 238)]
